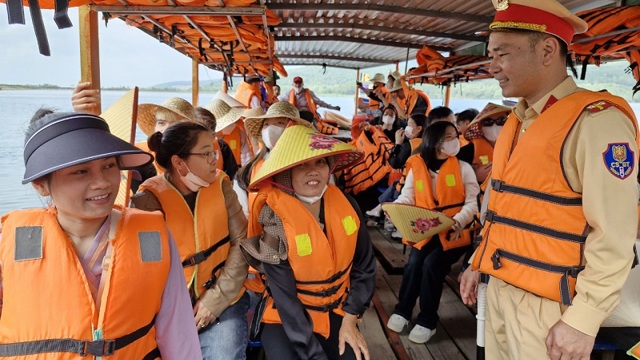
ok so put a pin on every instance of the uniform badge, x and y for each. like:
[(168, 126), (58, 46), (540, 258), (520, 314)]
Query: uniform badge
[(501, 5), (599, 106), (619, 160)]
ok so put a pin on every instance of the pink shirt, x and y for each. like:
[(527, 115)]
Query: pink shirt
[(176, 333)]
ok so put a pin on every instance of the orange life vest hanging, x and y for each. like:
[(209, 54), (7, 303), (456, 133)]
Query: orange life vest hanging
[(375, 164), (245, 92), (539, 251), (321, 263), (37, 257), (202, 237), (449, 198)]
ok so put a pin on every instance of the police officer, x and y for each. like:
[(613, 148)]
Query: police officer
[(561, 219)]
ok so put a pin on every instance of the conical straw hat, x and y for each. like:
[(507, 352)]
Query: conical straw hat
[(176, 105), (228, 99), (225, 114), (253, 124), (474, 130), (299, 144), (416, 223)]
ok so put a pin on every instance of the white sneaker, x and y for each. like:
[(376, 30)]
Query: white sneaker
[(396, 234), (397, 323), (375, 212), (420, 334)]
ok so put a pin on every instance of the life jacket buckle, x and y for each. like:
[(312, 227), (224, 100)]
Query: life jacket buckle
[(574, 271), (489, 216), (98, 348), (495, 259), (496, 185), (197, 258), (212, 280)]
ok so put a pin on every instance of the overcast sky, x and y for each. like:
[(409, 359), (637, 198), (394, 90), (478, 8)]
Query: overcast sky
[(128, 56)]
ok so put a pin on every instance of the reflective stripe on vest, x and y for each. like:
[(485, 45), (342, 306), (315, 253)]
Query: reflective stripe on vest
[(535, 227), (70, 323)]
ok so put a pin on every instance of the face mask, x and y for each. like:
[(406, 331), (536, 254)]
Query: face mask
[(312, 199), (388, 120), (298, 90), (408, 130), (451, 147), (192, 181), (491, 132), (270, 135)]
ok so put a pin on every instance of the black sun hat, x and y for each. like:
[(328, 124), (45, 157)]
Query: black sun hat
[(74, 138)]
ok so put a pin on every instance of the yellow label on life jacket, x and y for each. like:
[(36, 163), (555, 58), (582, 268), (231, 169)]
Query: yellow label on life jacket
[(233, 145), (450, 180), (419, 185), (484, 159), (349, 225), (303, 244)]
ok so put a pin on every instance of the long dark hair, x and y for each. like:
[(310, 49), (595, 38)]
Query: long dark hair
[(177, 139), (432, 139), (243, 176)]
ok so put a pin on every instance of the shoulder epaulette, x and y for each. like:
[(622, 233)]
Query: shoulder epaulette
[(599, 106)]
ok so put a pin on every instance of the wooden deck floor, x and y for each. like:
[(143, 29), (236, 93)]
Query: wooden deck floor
[(455, 336)]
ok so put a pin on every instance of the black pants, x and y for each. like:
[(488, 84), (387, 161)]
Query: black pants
[(277, 346), (423, 277), (307, 115)]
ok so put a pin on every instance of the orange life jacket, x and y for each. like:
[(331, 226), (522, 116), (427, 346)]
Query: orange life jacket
[(382, 93), (412, 98), (310, 103), (271, 97), (254, 282), (321, 263), (463, 140), (635, 351), (449, 198), (47, 298), (234, 139), (482, 151), (396, 174), (144, 146), (374, 166), (202, 237), (539, 250), (245, 92)]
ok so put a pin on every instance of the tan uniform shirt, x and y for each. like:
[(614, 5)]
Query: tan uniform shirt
[(610, 206)]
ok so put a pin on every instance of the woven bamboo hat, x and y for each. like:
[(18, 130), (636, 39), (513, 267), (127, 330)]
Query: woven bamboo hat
[(491, 110), (147, 113), (299, 144), (231, 101), (225, 114), (416, 223), (253, 124)]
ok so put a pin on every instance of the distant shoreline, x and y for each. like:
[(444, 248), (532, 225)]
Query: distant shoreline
[(56, 87)]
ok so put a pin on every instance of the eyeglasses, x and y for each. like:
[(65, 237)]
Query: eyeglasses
[(209, 155), (499, 121)]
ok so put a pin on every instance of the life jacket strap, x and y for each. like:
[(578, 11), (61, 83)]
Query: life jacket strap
[(82, 347), (492, 217), (15, 10), (38, 27), (501, 186), (203, 255), (330, 280), (61, 15), (324, 293), (446, 207), (566, 271), (325, 308)]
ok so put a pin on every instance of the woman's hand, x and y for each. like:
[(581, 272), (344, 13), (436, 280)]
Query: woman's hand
[(469, 286), (349, 334), (400, 136), (203, 316), (85, 98), (457, 230)]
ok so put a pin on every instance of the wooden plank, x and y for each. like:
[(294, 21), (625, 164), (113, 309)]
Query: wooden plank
[(458, 321), (195, 82), (89, 51), (374, 334), (389, 253)]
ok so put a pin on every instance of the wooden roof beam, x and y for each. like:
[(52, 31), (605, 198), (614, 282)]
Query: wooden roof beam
[(383, 29), (180, 10), (483, 19), (388, 43), (298, 63), (336, 57)]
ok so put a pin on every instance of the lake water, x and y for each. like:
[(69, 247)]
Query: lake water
[(17, 107)]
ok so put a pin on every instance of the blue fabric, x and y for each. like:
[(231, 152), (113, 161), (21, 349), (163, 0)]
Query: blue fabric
[(228, 339)]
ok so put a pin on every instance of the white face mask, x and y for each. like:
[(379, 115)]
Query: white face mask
[(491, 132), (192, 181), (298, 90), (388, 120), (312, 199), (451, 147), (408, 130), (270, 135)]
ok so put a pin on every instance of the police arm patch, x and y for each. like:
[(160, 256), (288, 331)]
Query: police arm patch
[(619, 159)]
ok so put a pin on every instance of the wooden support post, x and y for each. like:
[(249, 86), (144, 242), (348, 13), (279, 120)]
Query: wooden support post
[(447, 95), (89, 51), (195, 82), (357, 92)]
